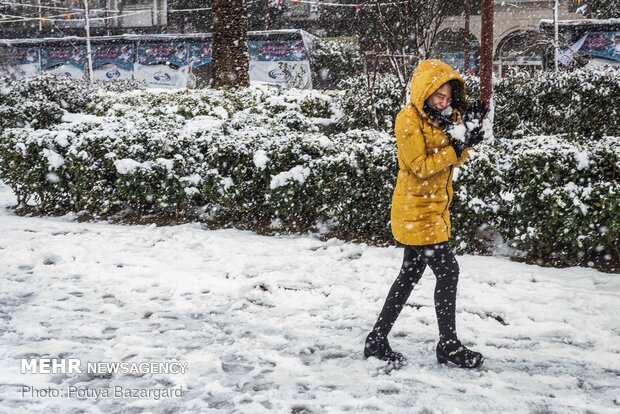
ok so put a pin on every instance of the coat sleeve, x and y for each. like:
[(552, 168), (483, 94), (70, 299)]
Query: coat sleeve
[(412, 149), (461, 160)]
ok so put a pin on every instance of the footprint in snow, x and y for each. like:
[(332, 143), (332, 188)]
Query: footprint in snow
[(257, 385), (302, 409), (111, 299), (236, 364), (51, 260)]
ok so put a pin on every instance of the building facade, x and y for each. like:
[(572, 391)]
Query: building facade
[(57, 18), (518, 40)]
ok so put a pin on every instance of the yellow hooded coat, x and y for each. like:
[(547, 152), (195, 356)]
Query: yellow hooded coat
[(420, 212)]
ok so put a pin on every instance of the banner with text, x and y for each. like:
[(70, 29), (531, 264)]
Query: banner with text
[(19, 62), (285, 74), (163, 65), (112, 62), (66, 60), (601, 44)]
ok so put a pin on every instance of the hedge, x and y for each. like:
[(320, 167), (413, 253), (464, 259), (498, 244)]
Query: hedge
[(553, 200), (260, 158), (578, 104), (333, 61)]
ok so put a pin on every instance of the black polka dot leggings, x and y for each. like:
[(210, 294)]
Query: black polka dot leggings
[(441, 260)]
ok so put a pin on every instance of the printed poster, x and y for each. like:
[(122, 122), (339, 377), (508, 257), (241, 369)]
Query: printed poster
[(200, 53), (66, 60), (277, 50), (280, 62), (200, 58), (602, 44), (285, 74), (163, 65), (19, 62), (111, 62)]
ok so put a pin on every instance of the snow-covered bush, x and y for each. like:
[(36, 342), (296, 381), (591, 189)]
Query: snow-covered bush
[(479, 186), (553, 200), (370, 102), (119, 85), (256, 158), (472, 86), (567, 201), (160, 103), (580, 104), (39, 101), (27, 113), (134, 164), (357, 180), (263, 100), (333, 61), (28, 166), (69, 93), (268, 173), (35, 102)]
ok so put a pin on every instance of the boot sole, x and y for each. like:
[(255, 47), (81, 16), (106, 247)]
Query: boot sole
[(444, 361)]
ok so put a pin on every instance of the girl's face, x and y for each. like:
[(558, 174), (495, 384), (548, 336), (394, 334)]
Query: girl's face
[(441, 99)]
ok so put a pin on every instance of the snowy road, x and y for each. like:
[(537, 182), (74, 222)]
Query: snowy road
[(277, 324)]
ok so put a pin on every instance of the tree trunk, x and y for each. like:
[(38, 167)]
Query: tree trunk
[(230, 44)]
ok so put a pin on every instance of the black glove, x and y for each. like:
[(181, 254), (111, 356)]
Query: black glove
[(475, 110), (458, 145), (474, 115), (474, 136)]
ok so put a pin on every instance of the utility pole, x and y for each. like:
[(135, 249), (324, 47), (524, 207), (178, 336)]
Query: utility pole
[(40, 18), (107, 21), (266, 13), (89, 55), (466, 43), (486, 52), (155, 15), (556, 34)]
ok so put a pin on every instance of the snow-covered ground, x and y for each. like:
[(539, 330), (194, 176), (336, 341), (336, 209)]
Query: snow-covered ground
[(277, 324)]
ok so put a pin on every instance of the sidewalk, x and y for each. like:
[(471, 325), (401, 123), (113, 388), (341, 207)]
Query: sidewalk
[(277, 324)]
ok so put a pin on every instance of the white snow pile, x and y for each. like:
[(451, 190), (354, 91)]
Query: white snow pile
[(277, 325), (260, 159), (298, 173)]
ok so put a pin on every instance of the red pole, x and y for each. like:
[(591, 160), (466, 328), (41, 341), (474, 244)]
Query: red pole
[(486, 52), (466, 42)]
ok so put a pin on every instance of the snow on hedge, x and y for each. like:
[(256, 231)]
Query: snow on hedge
[(289, 160)]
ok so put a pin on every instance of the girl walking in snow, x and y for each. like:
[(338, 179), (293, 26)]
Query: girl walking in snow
[(432, 134)]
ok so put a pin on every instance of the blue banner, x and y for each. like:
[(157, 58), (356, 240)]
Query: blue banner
[(122, 55), (174, 54), (272, 50), (602, 44), (200, 54), (52, 57), (19, 55)]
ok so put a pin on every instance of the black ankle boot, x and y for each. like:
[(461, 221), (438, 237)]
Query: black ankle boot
[(455, 352), (379, 347)]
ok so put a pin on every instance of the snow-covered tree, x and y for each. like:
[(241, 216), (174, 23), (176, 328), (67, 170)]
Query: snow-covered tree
[(230, 43), (606, 9), (404, 31)]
